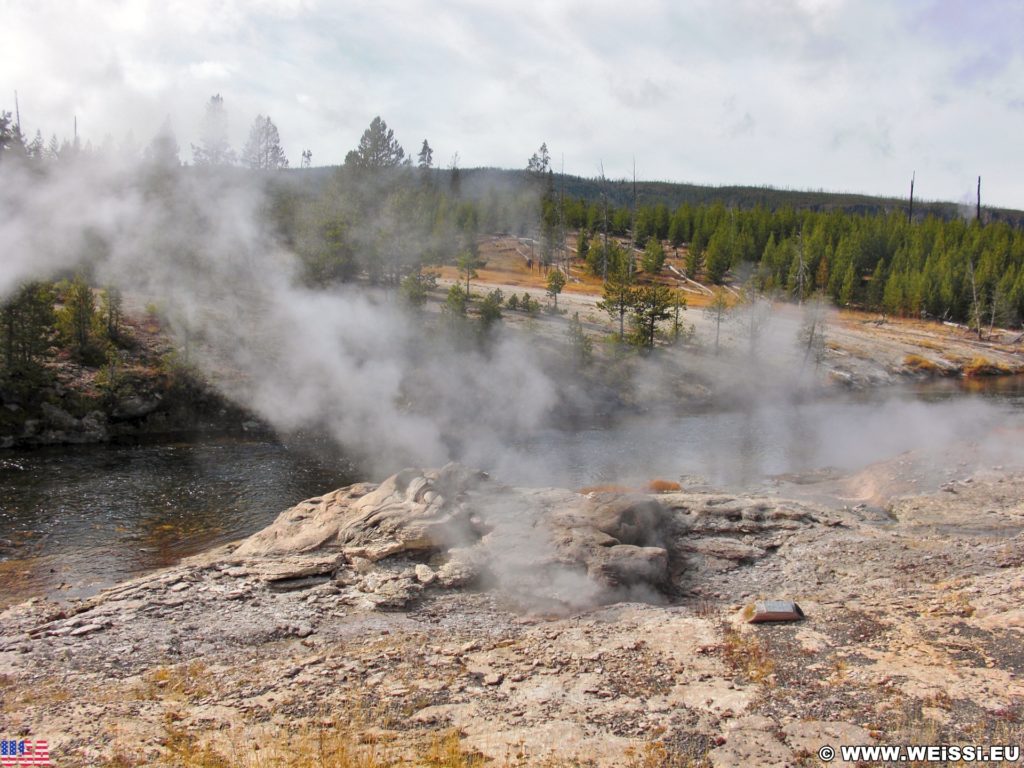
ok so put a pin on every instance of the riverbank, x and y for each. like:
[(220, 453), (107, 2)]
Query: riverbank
[(386, 623), (147, 387), (148, 390)]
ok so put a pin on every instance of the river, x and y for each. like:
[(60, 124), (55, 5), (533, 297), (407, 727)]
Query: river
[(74, 520)]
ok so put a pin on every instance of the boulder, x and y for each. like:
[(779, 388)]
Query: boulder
[(58, 418), (545, 546)]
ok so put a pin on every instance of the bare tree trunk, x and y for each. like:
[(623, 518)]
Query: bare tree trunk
[(975, 308), (604, 255), (910, 210)]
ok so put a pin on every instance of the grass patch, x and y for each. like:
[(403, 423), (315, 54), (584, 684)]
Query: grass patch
[(179, 682), (307, 747), (746, 656), (982, 366), (921, 364), (656, 755)]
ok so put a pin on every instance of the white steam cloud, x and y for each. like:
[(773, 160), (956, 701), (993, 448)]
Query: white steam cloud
[(390, 389), (343, 360)]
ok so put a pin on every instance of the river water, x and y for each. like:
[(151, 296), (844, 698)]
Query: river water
[(76, 519), (79, 518)]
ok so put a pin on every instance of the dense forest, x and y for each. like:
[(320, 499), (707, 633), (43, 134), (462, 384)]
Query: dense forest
[(948, 269)]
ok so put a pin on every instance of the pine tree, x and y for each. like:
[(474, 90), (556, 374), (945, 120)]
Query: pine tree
[(847, 291), (111, 310), (649, 305), (539, 163), (76, 318), (556, 282), (717, 310), (26, 324), (425, 157), (263, 150), (378, 148), (618, 297), (37, 148), (214, 149), (581, 344), (654, 257), (163, 149), (11, 143), (467, 264)]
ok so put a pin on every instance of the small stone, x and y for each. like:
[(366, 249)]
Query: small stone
[(425, 574), (494, 678), (87, 629), (362, 564)]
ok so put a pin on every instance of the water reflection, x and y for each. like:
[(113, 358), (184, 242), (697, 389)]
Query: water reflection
[(102, 514)]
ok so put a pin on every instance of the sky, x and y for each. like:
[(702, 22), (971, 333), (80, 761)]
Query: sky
[(807, 94)]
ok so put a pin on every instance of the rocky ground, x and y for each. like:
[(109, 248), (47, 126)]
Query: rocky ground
[(544, 626)]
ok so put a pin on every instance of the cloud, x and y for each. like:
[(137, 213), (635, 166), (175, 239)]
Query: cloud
[(595, 80)]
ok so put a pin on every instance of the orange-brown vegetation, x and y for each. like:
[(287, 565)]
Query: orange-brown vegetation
[(921, 364), (663, 486), (981, 366), (506, 263)]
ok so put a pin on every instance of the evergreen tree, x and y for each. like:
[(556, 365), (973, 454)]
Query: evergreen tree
[(37, 148), (617, 297), (719, 255), (582, 345), (378, 148), (677, 230), (456, 302), (556, 282), (876, 290), (12, 143), (490, 309), (263, 150), (426, 157), (26, 324), (649, 304), (539, 163), (467, 264), (848, 290), (717, 310), (163, 150), (76, 319), (111, 312), (654, 257), (583, 245), (455, 177), (214, 149)]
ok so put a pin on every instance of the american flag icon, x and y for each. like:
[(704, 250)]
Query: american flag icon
[(16, 752)]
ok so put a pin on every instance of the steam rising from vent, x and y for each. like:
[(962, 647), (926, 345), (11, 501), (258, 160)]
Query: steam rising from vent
[(345, 360), (392, 391)]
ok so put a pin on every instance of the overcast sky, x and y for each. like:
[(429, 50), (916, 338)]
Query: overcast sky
[(828, 94)]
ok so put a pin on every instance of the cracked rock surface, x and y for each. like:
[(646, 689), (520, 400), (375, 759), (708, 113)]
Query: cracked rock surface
[(546, 624)]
